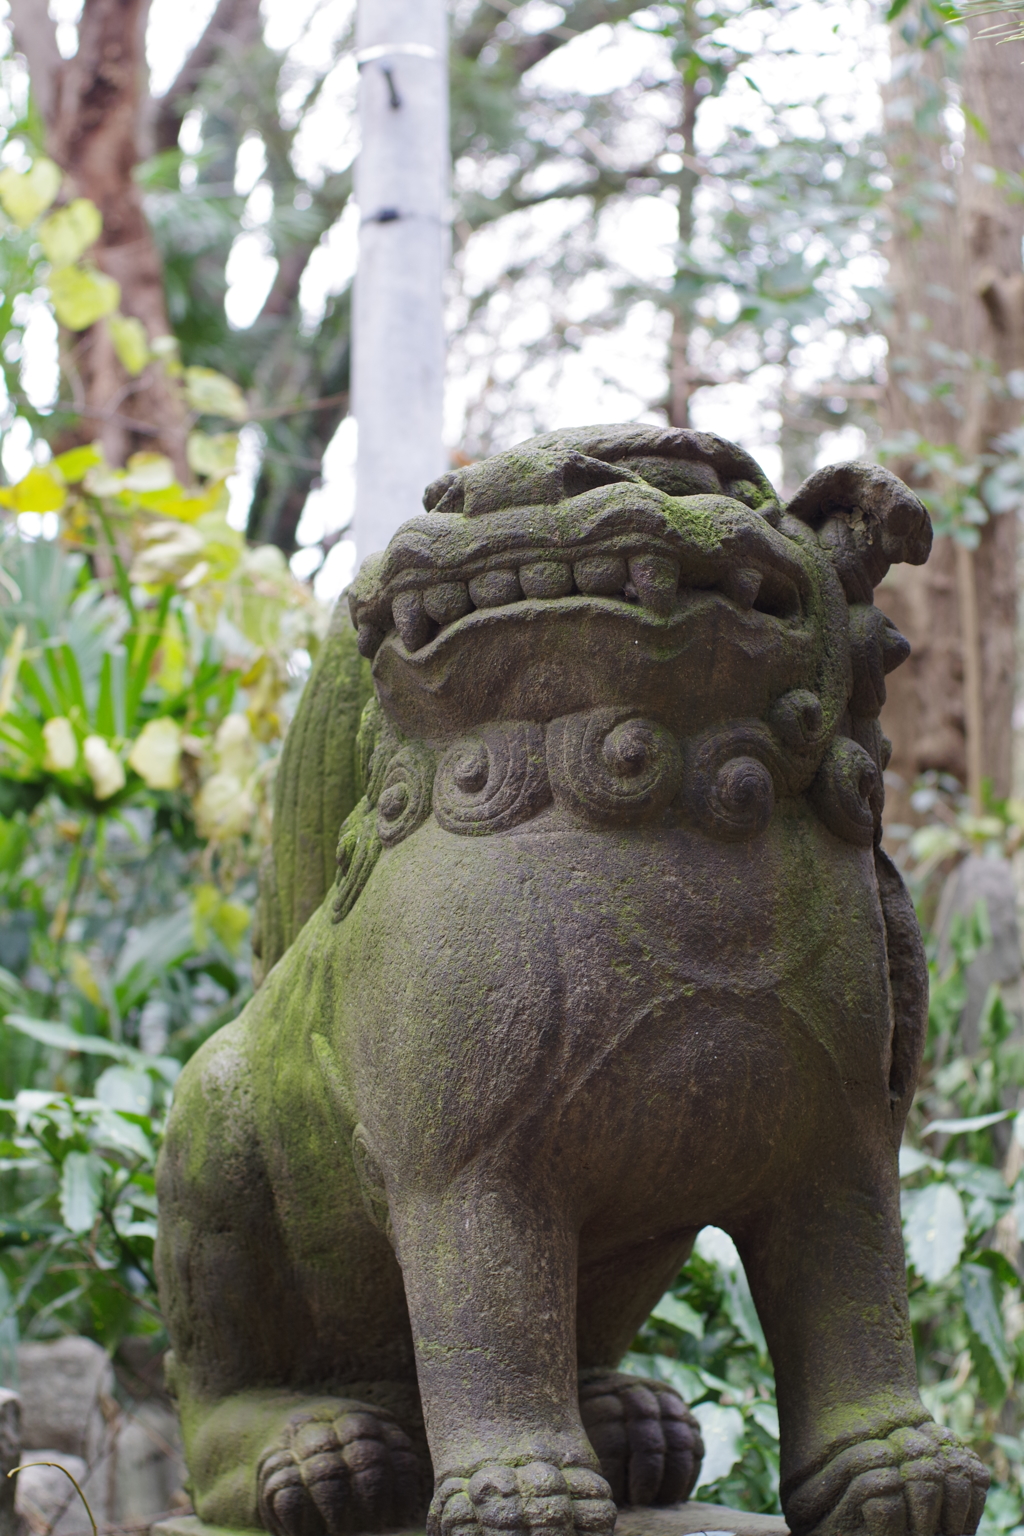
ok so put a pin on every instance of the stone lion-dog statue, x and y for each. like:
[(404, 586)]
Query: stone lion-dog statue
[(606, 950)]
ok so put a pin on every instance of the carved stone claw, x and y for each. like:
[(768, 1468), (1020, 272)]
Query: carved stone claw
[(916, 1481), (518, 1501), (647, 1439), (339, 1467)]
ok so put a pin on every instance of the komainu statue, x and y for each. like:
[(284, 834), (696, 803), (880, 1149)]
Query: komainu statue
[(577, 936)]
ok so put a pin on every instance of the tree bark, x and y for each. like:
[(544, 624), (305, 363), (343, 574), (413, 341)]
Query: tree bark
[(956, 330), (93, 125)]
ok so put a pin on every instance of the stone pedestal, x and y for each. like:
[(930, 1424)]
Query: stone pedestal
[(691, 1519)]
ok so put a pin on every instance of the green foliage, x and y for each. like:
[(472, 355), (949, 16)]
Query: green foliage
[(705, 1340)]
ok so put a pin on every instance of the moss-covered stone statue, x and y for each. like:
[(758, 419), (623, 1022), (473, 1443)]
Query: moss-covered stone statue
[(606, 949)]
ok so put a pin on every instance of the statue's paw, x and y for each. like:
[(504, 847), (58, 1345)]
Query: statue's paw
[(919, 1481), (339, 1467), (647, 1439), (518, 1501)]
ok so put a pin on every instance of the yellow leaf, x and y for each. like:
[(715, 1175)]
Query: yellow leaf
[(234, 746), (74, 464), (25, 197), (12, 661), (223, 807), (41, 490), (149, 472), (156, 755), (228, 920), (173, 550), (177, 503), (84, 977), (82, 296), (61, 745), (214, 395), (68, 233), (104, 767), (214, 455), (130, 342)]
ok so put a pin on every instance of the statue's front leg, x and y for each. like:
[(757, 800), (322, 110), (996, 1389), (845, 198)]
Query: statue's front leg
[(826, 1267), (490, 1276)]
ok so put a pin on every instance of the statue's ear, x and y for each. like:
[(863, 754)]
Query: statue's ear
[(867, 520)]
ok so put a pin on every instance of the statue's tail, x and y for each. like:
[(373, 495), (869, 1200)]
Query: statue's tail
[(317, 786)]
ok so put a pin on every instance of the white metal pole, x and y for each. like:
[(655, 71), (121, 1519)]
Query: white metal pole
[(401, 187)]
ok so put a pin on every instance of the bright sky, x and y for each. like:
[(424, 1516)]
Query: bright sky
[(613, 375)]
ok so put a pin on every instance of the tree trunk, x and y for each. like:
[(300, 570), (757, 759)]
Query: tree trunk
[(95, 103), (956, 330), (398, 330)]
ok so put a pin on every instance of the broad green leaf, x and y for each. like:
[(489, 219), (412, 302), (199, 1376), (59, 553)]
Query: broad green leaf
[(212, 394), (41, 490), (213, 456), (82, 296), (767, 1416), (81, 1190), (26, 196), (678, 1314), (961, 1127), (68, 232), (989, 1349), (74, 464), (682, 1378), (934, 1227), (124, 1089), (721, 1429), (912, 1161), (152, 950), (112, 1130), (130, 343), (12, 667), (62, 1037)]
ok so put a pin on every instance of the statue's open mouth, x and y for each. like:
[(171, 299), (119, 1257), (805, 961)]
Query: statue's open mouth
[(615, 546)]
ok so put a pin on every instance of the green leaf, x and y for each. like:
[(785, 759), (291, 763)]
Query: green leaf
[(212, 455), (212, 394), (74, 464), (988, 1340), (81, 1190), (122, 1088), (68, 233), (61, 1037), (154, 949), (934, 1228), (721, 1429), (81, 296), (26, 196), (679, 1314), (686, 1381), (961, 1127), (130, 343)]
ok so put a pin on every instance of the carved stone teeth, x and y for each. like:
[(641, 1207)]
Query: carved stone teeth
[(411, 619), (369, 640), (655, 579), (546, 578), (493, 589), (446, 602), (600, 575), (742, 586)]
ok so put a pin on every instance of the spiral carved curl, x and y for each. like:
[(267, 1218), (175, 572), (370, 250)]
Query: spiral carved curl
[(493, 780), (404, 800), (847, 792), (730, 780), (359, 848), (610, 766)]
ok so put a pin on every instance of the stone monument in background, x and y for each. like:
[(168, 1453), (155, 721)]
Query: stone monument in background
[(605, 950)]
